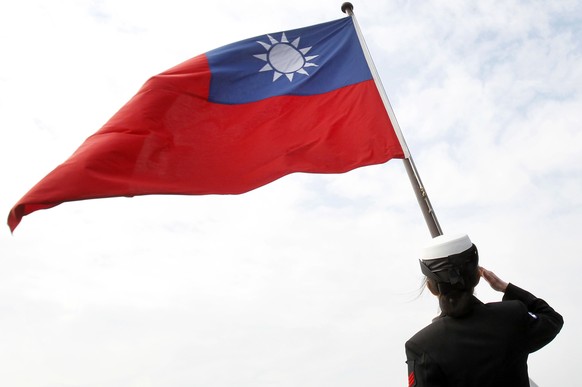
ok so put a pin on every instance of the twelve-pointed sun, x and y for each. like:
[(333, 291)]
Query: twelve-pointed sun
[(285, 58)]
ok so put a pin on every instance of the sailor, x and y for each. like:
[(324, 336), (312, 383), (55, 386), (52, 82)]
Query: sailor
[(472, 344)]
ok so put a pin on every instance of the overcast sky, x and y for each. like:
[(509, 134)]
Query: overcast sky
[(312, 280)]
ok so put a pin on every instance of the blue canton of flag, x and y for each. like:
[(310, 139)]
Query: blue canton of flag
[(305, 61)]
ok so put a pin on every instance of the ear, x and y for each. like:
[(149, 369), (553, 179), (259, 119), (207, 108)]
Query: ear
[(431, 285)]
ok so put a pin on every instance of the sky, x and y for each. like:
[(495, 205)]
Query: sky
[(312, 280)]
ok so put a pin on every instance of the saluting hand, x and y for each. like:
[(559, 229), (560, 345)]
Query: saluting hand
[(495, 282)]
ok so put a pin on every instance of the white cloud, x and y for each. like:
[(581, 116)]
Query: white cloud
[(310, 280)]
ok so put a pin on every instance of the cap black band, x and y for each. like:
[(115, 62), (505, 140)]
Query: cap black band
[(457, 269)]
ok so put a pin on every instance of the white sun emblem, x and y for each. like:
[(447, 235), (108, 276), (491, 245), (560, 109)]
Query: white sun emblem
[(285, 58)]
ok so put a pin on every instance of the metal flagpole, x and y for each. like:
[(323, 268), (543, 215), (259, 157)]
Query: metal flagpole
[(421, 195), (419, 190)]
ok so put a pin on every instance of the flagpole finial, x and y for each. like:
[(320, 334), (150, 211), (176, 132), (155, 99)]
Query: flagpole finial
[(348, 8)]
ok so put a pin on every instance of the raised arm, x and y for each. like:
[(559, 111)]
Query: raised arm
[(543, 323)]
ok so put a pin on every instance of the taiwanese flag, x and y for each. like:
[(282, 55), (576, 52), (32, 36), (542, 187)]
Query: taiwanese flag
[(232, 120)]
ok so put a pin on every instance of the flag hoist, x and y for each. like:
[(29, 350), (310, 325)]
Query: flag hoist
[(419, 190)]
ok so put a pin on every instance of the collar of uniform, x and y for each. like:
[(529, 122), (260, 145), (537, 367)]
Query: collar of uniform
[(474, 301)]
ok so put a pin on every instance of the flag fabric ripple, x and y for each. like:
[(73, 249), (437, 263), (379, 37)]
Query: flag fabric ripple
[(232, 120)]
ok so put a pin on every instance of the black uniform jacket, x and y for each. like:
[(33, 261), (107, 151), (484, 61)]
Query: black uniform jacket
[(486, 348)]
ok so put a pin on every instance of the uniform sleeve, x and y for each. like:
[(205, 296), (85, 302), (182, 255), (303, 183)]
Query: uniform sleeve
[(543, 323), (422, 370)]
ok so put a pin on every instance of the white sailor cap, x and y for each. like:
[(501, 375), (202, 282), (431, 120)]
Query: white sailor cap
[(445, 245)]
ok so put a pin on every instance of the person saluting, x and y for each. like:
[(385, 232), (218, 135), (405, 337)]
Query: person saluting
[(472, 344)]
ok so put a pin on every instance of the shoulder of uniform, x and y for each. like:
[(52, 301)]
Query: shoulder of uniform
[(428, 334), (506, 308)]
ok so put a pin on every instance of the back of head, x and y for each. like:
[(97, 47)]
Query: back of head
[(451, 266)]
